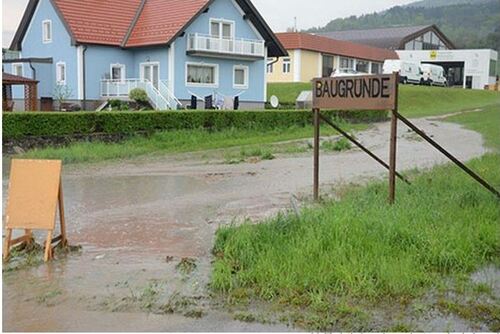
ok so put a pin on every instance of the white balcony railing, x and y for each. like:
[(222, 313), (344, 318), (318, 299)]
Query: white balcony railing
[(119, 88), (163, 100), (237, 47)]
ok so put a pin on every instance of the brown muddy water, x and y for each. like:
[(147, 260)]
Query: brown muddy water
[(135, 230), (146, 228)]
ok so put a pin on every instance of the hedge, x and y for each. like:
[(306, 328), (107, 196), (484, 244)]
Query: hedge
[(56, 124)]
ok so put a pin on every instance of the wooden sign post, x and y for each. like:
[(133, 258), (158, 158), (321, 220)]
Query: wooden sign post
[(35, 192), (393, 145), (370, 92)]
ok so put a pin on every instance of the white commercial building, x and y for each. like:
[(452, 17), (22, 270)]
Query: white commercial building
[(472, 69)]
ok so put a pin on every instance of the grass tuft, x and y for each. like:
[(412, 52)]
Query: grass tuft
[(338, 145), (186, 266)]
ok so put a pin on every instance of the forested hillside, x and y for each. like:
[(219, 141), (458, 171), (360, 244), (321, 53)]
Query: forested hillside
[(468, 25), (441, 3)]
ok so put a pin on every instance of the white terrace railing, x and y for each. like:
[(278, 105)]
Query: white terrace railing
[(161, 98), (237, 47), (168, 95)]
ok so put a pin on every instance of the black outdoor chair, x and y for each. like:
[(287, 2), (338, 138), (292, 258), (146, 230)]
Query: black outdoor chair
[(236, 103), (194, 103), (209, 102)]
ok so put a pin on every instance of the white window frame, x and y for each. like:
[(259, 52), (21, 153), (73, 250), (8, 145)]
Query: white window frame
[(58, 73), (351, 63), (46, 40), (246, 69), (194, 84), (142, 76), (123, 71), (287, 65), (221, 22), (379, 66), (270, 65), (270, 68), (15, 66), (365, 62)]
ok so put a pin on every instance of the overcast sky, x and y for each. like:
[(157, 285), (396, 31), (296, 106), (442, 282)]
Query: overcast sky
[(279, 14)]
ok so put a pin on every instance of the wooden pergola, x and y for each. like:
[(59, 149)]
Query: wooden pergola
[(30, 91)]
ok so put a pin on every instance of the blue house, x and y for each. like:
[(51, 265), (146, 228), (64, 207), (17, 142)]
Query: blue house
[(90, 51)]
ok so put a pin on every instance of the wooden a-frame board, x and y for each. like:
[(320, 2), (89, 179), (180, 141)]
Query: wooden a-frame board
[(35, 193)]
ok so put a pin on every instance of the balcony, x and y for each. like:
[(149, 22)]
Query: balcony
[(206, 45)]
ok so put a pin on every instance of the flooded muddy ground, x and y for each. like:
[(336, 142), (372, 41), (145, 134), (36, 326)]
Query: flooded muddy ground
[(146, 227)]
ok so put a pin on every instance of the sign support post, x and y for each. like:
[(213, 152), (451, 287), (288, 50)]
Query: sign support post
[(370, 92), (317, 129), (392, 158), (393, 147)]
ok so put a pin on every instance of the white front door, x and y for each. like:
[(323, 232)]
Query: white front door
[(150, 72)]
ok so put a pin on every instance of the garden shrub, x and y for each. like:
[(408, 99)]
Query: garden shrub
[(139, 95), (55, 124), (119, 105)]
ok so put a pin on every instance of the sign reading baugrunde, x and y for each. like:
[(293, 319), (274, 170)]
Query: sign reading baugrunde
[(370, 92)]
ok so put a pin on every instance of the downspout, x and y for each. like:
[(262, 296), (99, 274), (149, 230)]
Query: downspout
[(274, 61), (84, 90), (33, 70)]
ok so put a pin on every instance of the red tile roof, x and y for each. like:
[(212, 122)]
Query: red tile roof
[(322, 44), (135, 23), (98, 21), (15, 79), (161, 20)]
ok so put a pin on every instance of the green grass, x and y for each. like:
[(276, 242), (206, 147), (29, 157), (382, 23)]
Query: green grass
[(176, 142), (264, 152), (287, 92), (362, 250), (338, 145), (361, 247), (487, 122), (415, 101)]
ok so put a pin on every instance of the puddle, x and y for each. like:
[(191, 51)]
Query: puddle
[(138, 220)]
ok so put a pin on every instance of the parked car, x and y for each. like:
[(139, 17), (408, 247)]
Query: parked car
[(345, 72), (433, 75), (409, 72)]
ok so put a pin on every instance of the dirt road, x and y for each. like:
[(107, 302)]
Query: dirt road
[(137, 220)]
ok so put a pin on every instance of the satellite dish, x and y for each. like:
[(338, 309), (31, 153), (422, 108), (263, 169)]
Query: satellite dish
[(275, 102)]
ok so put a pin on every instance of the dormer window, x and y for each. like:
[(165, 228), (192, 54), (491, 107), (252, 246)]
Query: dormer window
[(47, 31)]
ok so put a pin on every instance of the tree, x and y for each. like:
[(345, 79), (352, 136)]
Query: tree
[(61, 94), (468, 25)]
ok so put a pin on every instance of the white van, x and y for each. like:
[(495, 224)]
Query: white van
[(433, 75), (409, 72)]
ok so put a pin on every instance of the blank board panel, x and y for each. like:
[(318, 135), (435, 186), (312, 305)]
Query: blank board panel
[(33, 194)]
